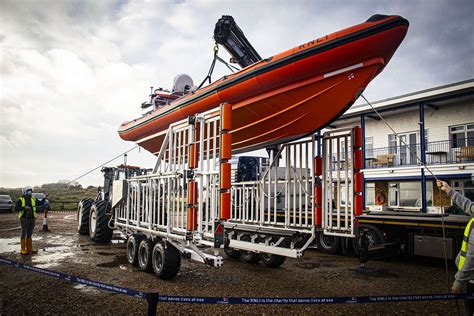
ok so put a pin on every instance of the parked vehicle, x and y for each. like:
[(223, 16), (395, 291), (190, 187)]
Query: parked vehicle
[(40, 199), (6, 203)]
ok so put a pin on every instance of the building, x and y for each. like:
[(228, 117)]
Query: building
[(435, 127)]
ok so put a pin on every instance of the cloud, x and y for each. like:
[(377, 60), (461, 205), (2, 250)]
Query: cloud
[(72, 71)]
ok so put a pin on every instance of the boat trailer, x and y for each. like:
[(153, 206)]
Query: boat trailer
[(191, 203)]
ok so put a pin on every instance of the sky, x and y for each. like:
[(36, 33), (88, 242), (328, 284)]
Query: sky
[(73, 71)]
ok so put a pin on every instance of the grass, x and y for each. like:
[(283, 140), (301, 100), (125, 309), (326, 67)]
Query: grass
[(59, 198)]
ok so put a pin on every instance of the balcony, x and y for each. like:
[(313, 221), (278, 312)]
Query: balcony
[(440, 152)]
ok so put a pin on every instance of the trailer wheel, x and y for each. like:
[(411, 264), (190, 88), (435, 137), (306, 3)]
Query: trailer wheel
[(133, 243), (271, 260), (166, 260), (99, 229), (232, 253), (145, 250), (327, 243), (83, 211), (374, 237), (248, 256)]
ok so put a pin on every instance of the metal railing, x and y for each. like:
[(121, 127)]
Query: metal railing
[(439, 152), (157, 203), (282, 198)]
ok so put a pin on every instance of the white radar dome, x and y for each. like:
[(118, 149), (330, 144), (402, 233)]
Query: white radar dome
[(182, 83)]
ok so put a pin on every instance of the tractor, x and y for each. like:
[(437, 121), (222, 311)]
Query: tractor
[(94, 215)]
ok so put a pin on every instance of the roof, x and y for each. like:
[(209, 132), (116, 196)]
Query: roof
[(429, 95)]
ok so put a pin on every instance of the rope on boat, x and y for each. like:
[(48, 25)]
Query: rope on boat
[(213, 64)]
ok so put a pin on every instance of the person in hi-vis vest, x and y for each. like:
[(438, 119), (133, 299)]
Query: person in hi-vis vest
[(465, 258), (26, 208)]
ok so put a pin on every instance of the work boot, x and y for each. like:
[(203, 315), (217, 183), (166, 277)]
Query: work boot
[(24, 251), (29, 246)]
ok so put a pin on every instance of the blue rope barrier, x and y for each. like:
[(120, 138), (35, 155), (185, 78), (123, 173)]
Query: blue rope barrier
[(154, 298)]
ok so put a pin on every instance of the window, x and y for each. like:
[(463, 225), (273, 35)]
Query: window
[(408, 194), (393, 194), (462, 135), (370, 193), (392, 144), (465, 187), (369, 147)]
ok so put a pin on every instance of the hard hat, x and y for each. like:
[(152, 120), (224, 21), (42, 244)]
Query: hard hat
[(26, 189)]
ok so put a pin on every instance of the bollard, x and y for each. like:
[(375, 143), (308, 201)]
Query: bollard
[(152, 299), (45, 222)]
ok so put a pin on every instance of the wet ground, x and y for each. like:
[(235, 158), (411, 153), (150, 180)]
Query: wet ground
[(314, 275)]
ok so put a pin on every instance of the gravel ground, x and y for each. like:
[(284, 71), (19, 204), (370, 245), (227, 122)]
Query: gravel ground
[(314, 275)]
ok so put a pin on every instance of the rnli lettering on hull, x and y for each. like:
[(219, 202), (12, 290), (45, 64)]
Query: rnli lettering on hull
[(313, 42)]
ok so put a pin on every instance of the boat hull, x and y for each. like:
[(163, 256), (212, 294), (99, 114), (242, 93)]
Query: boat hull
[(288, 96)]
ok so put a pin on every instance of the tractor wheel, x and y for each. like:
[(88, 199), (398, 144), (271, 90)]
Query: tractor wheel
[(271, 260), (166, 260), (327, 244), (133, 243), (83, 211), (99, 229), (145, 250)]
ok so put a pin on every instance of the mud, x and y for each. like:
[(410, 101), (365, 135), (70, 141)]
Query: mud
[(314, 275)]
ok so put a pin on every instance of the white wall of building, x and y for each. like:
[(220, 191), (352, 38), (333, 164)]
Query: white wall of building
[(437, 122)]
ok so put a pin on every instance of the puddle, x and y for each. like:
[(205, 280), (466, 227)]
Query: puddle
[(13, 244), (86, 289), (71, 217), (51, 249), (117, 262), (51, 256), (9, 245)]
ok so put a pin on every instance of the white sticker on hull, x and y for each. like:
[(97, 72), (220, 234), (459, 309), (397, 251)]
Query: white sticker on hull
[(336, 72)]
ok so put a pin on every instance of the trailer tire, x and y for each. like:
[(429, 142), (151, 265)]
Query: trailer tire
[(271, 260), (327, 244), (232, 253), (166, 260), (248, 256), (83, 211), (99, 229), (374, 237), (145, 250), (133, 242)]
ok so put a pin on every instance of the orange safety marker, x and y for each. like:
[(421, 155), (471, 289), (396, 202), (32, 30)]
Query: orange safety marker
[(318, 166), (225, 176), (358, 186), (226, 117), (358, 164), (225, 155), (318, 209), (193, 156), (226, 146), (192, 209), (225, 205), (357, 204), (357, 140)]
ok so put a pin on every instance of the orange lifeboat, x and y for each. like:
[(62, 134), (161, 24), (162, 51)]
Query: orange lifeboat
[(286, 96)]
